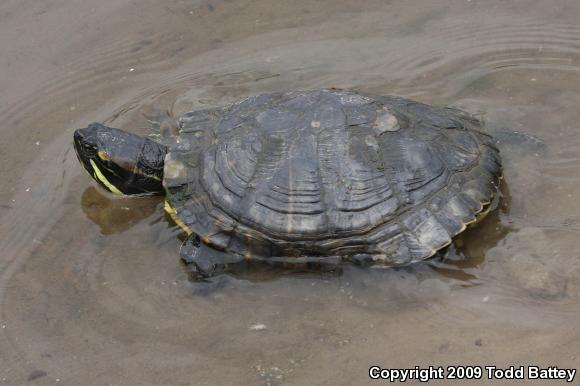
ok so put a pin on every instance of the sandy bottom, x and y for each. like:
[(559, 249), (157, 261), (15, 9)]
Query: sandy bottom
[(91, 289)]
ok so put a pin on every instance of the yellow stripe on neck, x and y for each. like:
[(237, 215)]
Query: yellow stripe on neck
[(173, 214), (101, 177)]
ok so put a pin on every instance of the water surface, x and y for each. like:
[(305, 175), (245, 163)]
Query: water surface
[(91, 289)]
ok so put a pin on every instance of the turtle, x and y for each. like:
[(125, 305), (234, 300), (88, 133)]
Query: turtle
[(323, 176)]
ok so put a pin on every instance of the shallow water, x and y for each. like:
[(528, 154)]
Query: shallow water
[(91, 289)]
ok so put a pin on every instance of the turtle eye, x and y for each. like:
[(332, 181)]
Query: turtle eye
[(104, 156)]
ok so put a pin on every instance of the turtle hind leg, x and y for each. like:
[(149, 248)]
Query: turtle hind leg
[(202, 260), (302, 263)]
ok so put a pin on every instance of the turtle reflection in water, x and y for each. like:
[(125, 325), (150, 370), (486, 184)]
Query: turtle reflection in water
[(320, 176)]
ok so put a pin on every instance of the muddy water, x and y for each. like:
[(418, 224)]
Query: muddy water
[(91, 290)]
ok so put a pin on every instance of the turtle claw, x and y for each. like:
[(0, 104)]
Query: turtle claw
[(203, 261)]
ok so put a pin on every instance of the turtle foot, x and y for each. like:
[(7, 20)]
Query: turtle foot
[(204, 261)]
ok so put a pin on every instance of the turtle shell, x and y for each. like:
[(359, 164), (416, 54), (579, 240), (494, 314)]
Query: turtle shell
[(330, 173)]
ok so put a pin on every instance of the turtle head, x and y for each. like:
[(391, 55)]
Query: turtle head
[(121, 162)]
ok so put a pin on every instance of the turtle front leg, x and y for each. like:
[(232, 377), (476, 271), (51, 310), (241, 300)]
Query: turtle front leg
[(203, 260)]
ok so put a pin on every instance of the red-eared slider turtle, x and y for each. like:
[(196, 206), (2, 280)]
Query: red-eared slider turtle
[(314, 176)]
